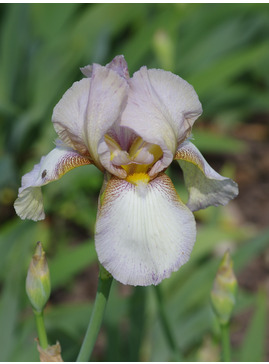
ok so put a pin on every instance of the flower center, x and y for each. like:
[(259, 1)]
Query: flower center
[(137, 161)]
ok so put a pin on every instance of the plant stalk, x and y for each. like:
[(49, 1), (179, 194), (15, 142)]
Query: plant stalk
[(166, 326), (96, 319), (225, 342), (42, 335)]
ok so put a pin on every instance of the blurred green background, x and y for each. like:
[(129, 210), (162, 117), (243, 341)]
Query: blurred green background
[(223, 51)]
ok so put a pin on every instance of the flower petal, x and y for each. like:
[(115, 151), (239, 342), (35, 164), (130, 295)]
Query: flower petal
[(143, 232), (206, 187), (29, 204), (118, 64), (161, 108), (107, 98), (69, 115), (88, 110)]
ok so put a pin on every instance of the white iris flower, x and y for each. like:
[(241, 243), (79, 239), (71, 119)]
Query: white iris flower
[(132, 129)]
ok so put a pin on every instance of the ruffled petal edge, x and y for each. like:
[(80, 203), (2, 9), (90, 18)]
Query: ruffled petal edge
[(143, 232), (206, 187)]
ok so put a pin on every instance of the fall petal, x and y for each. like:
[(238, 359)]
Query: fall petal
[(206, 187), (29, 204), (143, 232)]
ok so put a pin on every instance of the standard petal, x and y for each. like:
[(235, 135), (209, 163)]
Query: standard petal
[(118, 64), (143, 232), (123, 136), (161, 108), (69, 115), (206, 187), (107, 98), (29, 204)]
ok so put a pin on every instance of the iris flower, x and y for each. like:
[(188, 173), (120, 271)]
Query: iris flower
[(132, 129)]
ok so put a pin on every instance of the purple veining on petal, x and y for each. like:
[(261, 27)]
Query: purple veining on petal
[(134, 267)]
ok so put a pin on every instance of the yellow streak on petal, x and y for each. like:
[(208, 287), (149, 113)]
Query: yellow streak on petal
[(139, 143), (67, 163), (136, 146), (188, 156), (156, 150), (137, 178), (135, 168)]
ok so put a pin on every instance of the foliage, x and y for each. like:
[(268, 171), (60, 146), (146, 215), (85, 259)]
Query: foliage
[(223, 51)]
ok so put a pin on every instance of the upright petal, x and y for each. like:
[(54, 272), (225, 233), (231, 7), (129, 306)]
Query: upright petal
[(118, 64), (29, 204), (88, 110), (107, 98), (161, 108), (206, 187), (123, 136), (69, 116), (143, 232)]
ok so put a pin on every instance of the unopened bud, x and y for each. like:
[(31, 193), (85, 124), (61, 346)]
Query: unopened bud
[(224, 290), (38, 280)]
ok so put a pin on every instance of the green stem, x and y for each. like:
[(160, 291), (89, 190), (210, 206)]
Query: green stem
[(166, 325), (42, 335), (225, 342), (96, 319)]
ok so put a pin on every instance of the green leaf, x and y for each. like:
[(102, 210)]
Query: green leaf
[(14, 35), (59, 17), (9, 313), (64, 322), (207, 82), (14, 248), (254, 346), (67, 263), (138, 47), (250, 249), (71, 318), (187, 291), (137, 322), (209, 142)]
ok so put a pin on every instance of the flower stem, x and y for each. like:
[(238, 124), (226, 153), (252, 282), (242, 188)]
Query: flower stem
[(166, 325), (225, 342), (96, 319), (42, 335)]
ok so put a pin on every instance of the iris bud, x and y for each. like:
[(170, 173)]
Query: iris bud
[(224, 289), (38, 280)]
